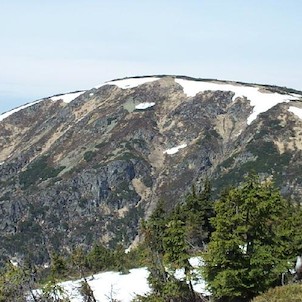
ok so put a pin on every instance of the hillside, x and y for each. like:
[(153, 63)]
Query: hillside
[(87, 166)]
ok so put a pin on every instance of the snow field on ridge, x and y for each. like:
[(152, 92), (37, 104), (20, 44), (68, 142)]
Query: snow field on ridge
[(8, 113), (68, 97), (295, 110), (129, 83), (261, 101)]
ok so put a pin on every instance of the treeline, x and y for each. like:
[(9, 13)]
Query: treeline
[(19, 281)]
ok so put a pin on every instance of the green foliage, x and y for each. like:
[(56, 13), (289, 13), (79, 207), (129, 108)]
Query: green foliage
[(196, 213), (175, 246), (99, 258), (11, 280), (250, 246), (53, 292), (16, 283), (58, 266), (38, 170), (286, 293), (264, 158), (167, 251), (89, 155)]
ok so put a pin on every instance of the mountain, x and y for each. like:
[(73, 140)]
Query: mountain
[(88, 165)]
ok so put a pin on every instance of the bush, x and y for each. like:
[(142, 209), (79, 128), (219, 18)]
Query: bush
[(89, 155)]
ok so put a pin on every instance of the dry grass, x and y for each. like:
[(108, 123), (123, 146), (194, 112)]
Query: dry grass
[(288, 293)]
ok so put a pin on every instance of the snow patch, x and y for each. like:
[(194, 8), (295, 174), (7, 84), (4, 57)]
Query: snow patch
[(198, 283), (91, 94), (295, 110), (143, 106), (67, 98), (261, 101), (129, 83), (7, 114), (124, 287), (175, 149)]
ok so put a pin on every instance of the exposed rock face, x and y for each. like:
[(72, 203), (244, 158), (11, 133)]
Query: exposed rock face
[(86, 170)]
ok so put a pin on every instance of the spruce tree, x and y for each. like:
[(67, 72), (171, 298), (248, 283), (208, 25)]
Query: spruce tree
[(249, 247)]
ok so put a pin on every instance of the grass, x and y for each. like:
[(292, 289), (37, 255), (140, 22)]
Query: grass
[(288, 293)]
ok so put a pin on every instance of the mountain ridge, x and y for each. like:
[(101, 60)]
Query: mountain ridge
[(90, 168)]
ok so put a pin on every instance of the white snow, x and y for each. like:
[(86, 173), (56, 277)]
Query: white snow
[(295, 110), (67, 98), (298, 265), (129, 83), (175, 149), (121, 287), (6, 114), (261, 101), (199, 284), (1, 163), (145, 105), (91, 94), (14, 262), (125, 287)]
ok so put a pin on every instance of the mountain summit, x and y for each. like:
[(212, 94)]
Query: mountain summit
[(88, 165)]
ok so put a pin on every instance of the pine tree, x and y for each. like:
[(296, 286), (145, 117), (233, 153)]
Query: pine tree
[(248, 249)]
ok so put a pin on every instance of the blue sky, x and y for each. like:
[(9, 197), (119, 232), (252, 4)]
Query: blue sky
[(49, 47)]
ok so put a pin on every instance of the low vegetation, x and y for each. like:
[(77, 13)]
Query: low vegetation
[(288, 293), (38, 170)]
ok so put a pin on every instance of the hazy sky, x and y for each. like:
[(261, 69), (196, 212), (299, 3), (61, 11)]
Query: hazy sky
[(54, 46)]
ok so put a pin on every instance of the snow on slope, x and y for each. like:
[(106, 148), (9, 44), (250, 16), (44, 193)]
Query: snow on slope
[(143, 106), (6, 114), (124, 287), (175, 149), (261, 101), (295, 110), (68, 97), (121, 287), (129, 83)]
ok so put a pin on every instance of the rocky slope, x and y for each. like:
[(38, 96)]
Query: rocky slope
[(87, 166)]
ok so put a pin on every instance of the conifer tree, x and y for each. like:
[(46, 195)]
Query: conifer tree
[(248, 249), (153, 231)]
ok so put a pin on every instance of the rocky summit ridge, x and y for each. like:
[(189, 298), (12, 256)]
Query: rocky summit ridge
[(87, 166)]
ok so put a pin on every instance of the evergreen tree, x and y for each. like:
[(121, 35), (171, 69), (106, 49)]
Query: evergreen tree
[(176, 251), (58, 266), (168, 251), (100, 258), (153, 231), (197, 211), (79, 260), (249, 247)]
